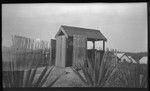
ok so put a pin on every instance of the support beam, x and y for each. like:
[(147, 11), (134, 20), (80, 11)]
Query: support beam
[(93, 44), (93, 51), (103, 45)]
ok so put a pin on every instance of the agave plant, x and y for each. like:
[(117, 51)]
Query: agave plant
[(135, 77), (96, 72)]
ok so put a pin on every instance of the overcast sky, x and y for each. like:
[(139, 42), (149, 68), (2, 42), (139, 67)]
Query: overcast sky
[(124, 25)]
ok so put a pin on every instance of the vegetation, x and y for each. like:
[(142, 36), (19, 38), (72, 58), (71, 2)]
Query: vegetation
[(16, 77), (96, 72), (108, 72), (133, 75), (26, 78)]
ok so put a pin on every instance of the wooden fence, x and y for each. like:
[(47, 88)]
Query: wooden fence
[(28, 53)]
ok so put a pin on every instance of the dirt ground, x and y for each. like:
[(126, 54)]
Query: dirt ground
[(68, 80)]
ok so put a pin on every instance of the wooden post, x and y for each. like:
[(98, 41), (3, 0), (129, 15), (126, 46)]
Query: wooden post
[(103, 45), (93, 52), (93, 45)]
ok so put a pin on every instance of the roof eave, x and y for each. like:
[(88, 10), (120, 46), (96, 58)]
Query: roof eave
[(61, 29)]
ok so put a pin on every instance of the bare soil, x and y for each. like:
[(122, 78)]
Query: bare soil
[(68, 80)]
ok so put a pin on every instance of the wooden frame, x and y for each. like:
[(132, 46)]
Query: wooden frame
[(70, 47)]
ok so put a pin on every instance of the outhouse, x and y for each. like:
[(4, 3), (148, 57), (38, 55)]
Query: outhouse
[(71, 44)]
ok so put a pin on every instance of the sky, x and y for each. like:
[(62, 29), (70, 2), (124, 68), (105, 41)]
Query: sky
[(123, 24)]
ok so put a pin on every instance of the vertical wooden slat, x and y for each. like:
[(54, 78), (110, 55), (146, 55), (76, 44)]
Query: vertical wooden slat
[(61, 60), (12, 39), (42, 54), (60, 55), (37, 53), (33, 57), (58, 40), (28, 53), (63, 52), (25, 53), (22, 56), (31, 46), (57, 50)]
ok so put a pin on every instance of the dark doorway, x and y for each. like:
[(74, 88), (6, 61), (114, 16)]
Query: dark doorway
[(69, 52)]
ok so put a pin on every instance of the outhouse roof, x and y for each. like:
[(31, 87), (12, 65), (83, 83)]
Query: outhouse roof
[(89, 33)]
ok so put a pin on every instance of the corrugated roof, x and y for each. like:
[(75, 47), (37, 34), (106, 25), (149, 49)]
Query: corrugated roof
[(89, 33)]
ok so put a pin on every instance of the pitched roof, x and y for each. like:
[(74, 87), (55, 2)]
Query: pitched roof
[(123, 57), (132, 59), (89, 33), (143, 60), (119, 55)]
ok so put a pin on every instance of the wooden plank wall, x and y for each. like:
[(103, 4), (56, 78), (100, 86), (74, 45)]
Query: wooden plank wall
[(58, 44), (79, 49), (63, 51)]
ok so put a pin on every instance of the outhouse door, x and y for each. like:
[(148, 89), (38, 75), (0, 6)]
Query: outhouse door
[(60, 51)]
